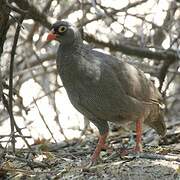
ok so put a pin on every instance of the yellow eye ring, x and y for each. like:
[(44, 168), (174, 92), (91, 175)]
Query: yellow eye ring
[(62, 29)]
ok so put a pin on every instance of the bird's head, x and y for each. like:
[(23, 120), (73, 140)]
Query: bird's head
[(63, 32)]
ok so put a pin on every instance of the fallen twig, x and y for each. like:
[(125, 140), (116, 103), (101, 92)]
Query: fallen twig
[(29, 162), (157, 156)]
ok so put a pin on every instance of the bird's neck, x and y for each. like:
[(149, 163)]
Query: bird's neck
[(67, 63), (67, 54), (68, 50)]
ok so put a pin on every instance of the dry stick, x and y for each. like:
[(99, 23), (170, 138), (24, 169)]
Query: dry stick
[(54, 106), (9, 106), (18, 10), (42, 117), (2, 154), (172, 78), (12, 120), (44, 95), (5, 102), (8, 135), (58, 121), (57, 117), (15, 171), (29, 162), (98, 11), (122, 47), (159, 156)]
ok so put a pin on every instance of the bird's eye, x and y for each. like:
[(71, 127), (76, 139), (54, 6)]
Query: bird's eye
[(62, 29)]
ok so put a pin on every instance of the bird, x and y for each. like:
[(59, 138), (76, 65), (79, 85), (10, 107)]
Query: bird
[(104, 88)]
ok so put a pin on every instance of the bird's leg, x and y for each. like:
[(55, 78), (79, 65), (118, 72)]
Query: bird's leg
[(138, 147), (100, 145)]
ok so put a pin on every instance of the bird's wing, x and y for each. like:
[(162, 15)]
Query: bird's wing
[(133, 80)]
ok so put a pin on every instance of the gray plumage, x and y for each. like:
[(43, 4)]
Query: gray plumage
[(102, 87)]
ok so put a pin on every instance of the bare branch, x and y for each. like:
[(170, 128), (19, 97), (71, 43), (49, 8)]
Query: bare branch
[(44, 121), (12, 120), (18, 10), (134, 50)]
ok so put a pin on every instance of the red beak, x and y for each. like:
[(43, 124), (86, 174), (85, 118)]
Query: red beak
[(51, 37)]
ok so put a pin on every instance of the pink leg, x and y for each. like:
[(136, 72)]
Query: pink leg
[(138, 147), (101, 145)]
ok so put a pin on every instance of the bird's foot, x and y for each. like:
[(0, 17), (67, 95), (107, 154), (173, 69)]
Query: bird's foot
[(98, 149), (134, 150), (101, 146), (138, 148)]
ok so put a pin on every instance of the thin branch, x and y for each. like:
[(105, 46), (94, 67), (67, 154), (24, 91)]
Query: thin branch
[(57, 116), (8, 135), (15, 19), (98, 11), (6, 105), (163, 71), (134, 50), (12, 120), (33, 12), (42, 117), (172, 78), (130, 5), (159, 156), (18, 10)]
